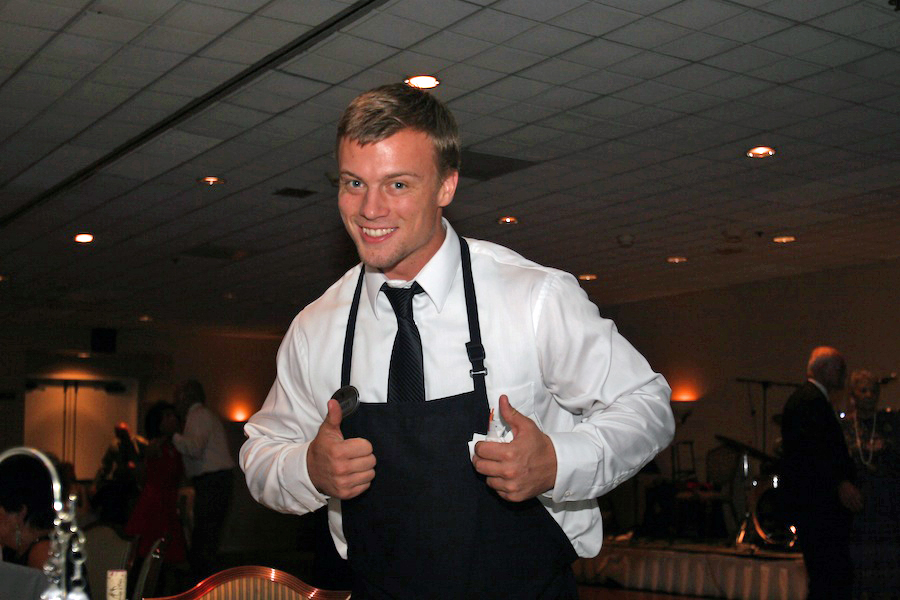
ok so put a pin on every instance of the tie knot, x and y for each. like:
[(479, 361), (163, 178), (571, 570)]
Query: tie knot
[(401, 299)]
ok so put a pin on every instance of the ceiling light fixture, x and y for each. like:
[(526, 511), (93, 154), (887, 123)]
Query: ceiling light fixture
[(761, 152), (145, 318), (422, 82), (211, 180), (587, 277), (784, 239), (3, 278), (84, 238), (676, 260), (510, 220)]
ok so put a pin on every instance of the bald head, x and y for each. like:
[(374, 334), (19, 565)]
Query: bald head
[(826, 365)]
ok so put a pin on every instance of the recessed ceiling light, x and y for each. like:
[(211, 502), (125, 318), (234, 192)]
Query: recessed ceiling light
[(145, 318), (3, 278), (784, 239), (84, 355), (229, 295), (587, 277), (211, 180), (423, 82), (510, 220), (84, 238), (761, 152), (676, 260)]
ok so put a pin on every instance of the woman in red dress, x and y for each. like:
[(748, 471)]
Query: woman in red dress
[(156, 513)]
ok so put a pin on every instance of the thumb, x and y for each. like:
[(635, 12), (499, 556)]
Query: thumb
[(513, 418), (333, 418)]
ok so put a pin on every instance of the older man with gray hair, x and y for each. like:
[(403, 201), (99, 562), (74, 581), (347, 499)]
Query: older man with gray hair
[(819, 477)]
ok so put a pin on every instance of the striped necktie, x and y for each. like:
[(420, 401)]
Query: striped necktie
[(406, 378)]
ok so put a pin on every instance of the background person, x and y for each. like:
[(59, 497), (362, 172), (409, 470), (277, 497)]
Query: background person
[(819, 477), (156, 513), (873, 437), (207, 461), (26, 510)]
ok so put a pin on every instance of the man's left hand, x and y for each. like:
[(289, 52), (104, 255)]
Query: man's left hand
[(520, 469)]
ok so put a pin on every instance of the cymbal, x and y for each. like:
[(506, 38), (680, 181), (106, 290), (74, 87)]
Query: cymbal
[(742, 448)]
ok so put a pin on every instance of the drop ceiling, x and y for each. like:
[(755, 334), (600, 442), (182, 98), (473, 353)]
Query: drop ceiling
[(626, 122)]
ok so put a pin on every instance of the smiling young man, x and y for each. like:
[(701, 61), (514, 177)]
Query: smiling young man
[(439, 333)]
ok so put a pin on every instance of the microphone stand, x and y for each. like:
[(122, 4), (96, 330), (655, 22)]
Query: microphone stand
[(765, 384)]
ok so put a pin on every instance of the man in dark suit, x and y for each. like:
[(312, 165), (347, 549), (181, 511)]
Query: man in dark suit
[(818, 477)]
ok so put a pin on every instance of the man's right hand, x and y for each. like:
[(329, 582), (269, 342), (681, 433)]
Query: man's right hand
[(337, 467)]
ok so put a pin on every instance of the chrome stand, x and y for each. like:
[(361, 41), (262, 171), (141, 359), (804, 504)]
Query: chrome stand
[(66, 540)]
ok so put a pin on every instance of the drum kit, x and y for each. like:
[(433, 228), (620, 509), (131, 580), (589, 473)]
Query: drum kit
[(763, 520)]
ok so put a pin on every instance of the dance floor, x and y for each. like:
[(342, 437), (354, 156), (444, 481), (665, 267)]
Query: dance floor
[(692, 570)]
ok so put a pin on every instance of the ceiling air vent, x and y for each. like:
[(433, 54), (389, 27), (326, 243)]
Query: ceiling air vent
[(290, 192), (482, 167)]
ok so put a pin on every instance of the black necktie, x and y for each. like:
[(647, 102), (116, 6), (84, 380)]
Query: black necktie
[(406, 378)]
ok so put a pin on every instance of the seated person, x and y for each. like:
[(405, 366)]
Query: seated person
[(26, 510)]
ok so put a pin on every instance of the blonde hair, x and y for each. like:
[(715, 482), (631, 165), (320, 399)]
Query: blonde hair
[(378, 114)]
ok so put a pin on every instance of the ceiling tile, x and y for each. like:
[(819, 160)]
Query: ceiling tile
[(107, 27), (804, 11), (536, 9), (451, 46), (855, 19), (492, 26), (696, 46), (748, 26), (320, 68), (594, 19), (33, 14), (202, 19), (505, 60), (600, 53), (556, 71), (547, 40), (391, 30), (647, 65), (437, 14), (698, 14), (648, 33)]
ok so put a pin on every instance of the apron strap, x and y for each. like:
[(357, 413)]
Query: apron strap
[(351, 329), (474, 348)]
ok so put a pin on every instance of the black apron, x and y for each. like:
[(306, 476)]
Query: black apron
[(429, 527)]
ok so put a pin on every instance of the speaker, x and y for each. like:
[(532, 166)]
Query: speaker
[(103, 340)]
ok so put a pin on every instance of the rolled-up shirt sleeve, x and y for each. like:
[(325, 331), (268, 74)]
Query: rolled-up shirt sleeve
[(273, 457), (620, 405)]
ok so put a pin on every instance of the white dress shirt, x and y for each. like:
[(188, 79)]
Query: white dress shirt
[(548, 349), (203, 445)]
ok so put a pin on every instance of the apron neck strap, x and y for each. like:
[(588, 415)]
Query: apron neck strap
[(351, 328), (474, 348)]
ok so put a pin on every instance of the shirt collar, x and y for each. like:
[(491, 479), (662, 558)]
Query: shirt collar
[(818, 385), (436, 277)]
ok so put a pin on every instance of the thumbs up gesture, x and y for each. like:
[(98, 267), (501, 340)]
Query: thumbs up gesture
[(337, 467), (522, 468)]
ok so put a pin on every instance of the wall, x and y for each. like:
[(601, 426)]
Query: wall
[(703, 342)]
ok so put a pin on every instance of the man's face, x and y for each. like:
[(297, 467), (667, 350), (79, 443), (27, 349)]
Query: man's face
[(391, 199)]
